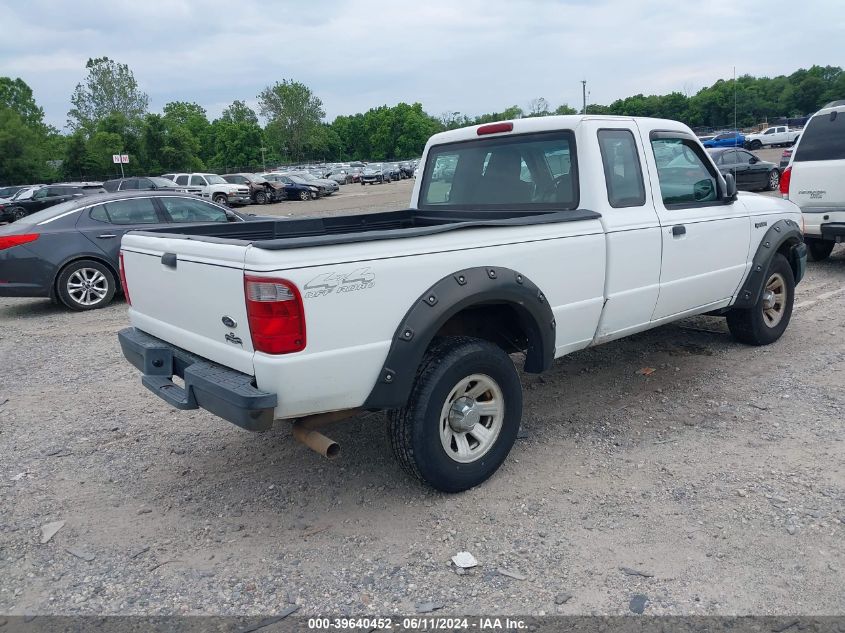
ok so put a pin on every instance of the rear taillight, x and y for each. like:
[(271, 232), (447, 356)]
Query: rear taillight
[(123, 279), (784, 182), (8, 241), (275, 314)]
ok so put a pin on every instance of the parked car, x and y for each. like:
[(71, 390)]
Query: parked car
[(69, 252), (751, 173), (407, 169), (261, 190), (394, 171), (814, 179), (415, 311), (355, 173), (7, 192), (772, 137), (326, 186), (214, 188), (144, 183), (293, 190), (88, 187), (41, 198), (725, 139), (340, 176), (374, 173)]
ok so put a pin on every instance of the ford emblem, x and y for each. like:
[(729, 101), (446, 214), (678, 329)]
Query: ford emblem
[(229, 322)]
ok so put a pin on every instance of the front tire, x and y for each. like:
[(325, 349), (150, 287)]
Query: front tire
[(765, 321), (818, 250), (462, 417), (86, 285), (755, 144), (260, 198), (18, 214), (222, 199), (304, 195)]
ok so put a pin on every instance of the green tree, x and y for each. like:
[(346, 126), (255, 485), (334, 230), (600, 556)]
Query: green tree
[(565, 109), (16, 95), (237, 138), (109, 88), (20, 158), (293, 112)]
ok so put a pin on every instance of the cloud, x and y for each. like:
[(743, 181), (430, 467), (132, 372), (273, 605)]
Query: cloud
[(471, 56)]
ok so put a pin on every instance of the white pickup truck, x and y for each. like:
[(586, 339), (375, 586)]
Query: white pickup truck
[(549, 235), (772, 137)]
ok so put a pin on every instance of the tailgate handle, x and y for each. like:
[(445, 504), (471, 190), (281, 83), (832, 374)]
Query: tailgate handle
[(169, 260)]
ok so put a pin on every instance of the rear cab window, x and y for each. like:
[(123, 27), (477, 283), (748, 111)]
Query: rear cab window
[(525, 171), (622, 170)]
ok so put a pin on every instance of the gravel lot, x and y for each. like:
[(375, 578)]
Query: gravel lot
[(714, 485)]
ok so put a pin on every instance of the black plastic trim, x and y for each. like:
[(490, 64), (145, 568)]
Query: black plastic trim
[(450, 295), (833, 230), (224, 392), (780, 232)]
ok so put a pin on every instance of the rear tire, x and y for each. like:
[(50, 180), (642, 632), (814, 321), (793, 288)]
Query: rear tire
[(86, 285), (462, 417), (765, 321), (818, 250), (774, 180)]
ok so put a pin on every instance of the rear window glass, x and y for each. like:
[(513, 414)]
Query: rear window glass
[(528, 171), (823, 138), (622, 172)]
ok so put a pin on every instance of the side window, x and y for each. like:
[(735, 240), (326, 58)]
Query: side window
[(40, 194), (198, 180), (129, 184), (134, 211), (781, 129), (684, 176), (771, 130), (729, 158), (181, 180), (622, 171), (743, 158), (191, 210), (144, 183)]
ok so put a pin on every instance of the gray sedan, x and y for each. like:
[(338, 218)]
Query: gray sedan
[(70, 251)]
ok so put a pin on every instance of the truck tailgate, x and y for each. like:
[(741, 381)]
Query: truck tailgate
[(191, 294)]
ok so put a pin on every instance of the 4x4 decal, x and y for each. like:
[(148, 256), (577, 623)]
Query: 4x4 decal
[(327, 283)]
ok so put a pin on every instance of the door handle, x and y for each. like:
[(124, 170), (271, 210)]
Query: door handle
[(105, 235), (679, 230)]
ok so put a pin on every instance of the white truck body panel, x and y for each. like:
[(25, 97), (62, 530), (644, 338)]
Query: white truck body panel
[(603, 278)]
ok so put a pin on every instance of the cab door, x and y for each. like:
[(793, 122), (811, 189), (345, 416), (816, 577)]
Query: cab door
[(705, 237), (632, 228)]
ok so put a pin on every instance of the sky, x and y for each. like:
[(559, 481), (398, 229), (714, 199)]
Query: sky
[(469, 56)]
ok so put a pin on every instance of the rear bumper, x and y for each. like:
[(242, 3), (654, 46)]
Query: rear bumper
[(834, 231), (220, 390)]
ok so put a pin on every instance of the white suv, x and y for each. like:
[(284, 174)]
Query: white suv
[(815, 179), (213, 187)]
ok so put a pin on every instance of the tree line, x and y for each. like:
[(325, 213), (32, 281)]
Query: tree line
[(109, 115)]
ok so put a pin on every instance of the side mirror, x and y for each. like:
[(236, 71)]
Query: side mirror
[(730, 188), (754, 160)]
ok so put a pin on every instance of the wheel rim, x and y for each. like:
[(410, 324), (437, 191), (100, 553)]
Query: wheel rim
[(260, 198), (471, 418), (774, 300), (774, 180), (220, 200), (87, 286), (303, 195)]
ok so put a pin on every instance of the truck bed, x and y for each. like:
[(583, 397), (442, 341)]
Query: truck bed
[(307, 232)]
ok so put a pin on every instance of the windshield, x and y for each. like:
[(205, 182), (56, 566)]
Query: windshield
[(213, 179), (299, 179), (24, 194), (527, 171), (258, 179)]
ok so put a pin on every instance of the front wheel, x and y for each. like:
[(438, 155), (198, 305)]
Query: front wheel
[(462, 417), (18, 214), (755, 145), (86, 285), (222, 199), (766, 320), (260, 197), (774, 180), (819, 250), (304, 195)]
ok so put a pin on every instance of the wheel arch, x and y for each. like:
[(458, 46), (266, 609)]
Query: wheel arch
[(490, 302), (783, 237)]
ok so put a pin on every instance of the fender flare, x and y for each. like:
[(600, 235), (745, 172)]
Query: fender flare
[(778, 234), (447, 297)]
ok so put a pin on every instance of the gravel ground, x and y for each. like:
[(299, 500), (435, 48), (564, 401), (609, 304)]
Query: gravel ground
[(714, 485)]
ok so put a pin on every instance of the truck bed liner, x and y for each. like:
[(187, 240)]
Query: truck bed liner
[(308, 232)]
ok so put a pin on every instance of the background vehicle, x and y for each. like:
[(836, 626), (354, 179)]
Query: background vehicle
[(814, 179), (261, 190), (326, 186), (7, 192), (144, 183), (725, 139), (751, 173), (69, 252), (41, 198), (340, 176), (374, 173), (215, 188), (772, 137), (416, 311), (293, 190), (784, 158)]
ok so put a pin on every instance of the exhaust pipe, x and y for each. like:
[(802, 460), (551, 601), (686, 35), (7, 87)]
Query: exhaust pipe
[(304, 431)]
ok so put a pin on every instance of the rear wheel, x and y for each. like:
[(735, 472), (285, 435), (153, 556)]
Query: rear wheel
[(774, 180), (462, 416), (766, 320), (819, 250), (86, 285)]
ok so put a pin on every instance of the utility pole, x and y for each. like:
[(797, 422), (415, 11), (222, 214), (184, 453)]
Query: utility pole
[(584, 95), (263, 162)]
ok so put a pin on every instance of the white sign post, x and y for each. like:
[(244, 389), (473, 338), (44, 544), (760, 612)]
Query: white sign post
[(118, 159)]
